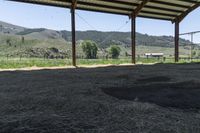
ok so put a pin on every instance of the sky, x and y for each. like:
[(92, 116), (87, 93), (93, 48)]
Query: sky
[(37, 16)]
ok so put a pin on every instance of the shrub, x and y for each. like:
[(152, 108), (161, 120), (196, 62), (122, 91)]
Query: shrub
[(114, 51), (90, 49)]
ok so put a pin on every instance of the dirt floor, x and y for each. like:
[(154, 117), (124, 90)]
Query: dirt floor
[(162, 98)]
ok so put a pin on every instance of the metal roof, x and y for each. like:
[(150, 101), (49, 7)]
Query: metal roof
[(172, 10)]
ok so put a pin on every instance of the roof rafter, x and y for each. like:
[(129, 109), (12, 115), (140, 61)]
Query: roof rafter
[(184, 14), (172, 10), (74, 4), (169, 4), (146, 6), (139, 8)]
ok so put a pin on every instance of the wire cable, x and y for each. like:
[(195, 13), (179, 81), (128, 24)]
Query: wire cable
[(85, 21), (121, 27), (111, 35)]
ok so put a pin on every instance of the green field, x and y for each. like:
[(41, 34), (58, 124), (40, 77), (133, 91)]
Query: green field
[(31, 53), (9, 63)]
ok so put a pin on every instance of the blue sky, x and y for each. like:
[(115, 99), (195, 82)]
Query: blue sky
[(36, 16)]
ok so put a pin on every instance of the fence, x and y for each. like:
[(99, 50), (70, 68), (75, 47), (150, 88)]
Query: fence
[(10, 62)]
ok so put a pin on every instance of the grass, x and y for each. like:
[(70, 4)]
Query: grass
[(102, 61), (9, 63), (27, 62)]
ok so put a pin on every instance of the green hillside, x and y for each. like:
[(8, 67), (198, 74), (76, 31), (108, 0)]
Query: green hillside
[(104, 39), (18, 41)]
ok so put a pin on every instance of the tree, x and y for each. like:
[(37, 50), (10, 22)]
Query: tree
[(8, 41), (23, 39), (1, 28), (114, 51), (194, 53), (90, 49)]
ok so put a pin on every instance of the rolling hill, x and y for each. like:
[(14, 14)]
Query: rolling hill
[(102, 38), (42, 39)]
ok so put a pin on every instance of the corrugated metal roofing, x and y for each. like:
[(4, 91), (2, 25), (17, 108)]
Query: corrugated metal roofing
[(172, 10)]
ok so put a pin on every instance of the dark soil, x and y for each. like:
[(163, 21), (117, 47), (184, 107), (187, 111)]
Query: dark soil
[(118, 99), (154, 79)]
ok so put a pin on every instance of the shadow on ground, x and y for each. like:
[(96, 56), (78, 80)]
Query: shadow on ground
[(157, 90)]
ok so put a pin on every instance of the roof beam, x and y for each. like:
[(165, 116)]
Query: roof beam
[(74, 4), (123, 8), (96, 10), (103, 6), (169, 4), (184, 14), (145, 6), (155, 9), (137, 10), (143, 16), (161, 8), (190, 1), (158, 13), (121, 2)]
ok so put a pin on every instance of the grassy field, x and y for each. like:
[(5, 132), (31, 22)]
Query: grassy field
[(27, 62), (9, 63), (10, 52)]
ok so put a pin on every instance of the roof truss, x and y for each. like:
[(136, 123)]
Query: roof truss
[(171, 10)]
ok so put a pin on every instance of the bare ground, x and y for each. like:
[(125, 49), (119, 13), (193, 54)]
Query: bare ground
[(116, 99)]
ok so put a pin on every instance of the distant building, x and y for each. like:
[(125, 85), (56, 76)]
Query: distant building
[(158, 55)]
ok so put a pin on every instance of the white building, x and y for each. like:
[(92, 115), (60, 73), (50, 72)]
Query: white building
[(154, 54)]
